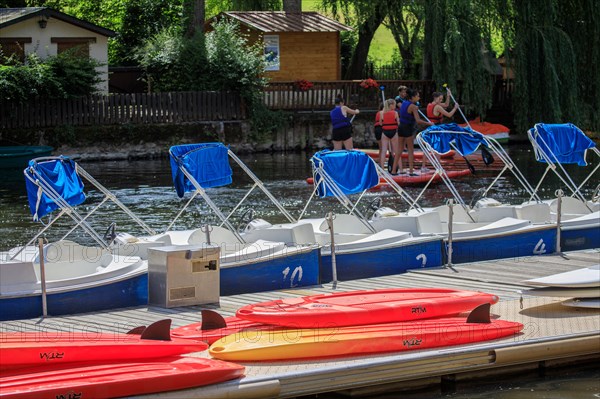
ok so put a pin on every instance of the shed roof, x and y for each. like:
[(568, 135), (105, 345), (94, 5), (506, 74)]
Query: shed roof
[(281, 21), (10, 16)]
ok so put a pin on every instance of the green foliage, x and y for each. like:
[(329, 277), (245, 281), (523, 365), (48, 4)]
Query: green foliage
[(544, 67), (58, 77)]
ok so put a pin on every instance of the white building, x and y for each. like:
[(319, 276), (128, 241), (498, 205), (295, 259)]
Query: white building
[(48, 32)]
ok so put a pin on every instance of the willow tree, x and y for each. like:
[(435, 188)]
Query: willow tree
[(580, 20), (456, 48), (544, 64), (365, 16), (405, 22)]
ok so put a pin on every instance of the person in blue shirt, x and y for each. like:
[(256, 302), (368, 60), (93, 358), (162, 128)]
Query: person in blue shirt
[(341, 133)]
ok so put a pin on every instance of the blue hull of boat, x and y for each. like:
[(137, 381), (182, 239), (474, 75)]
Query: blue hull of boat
[(383, 262), (574, 240), (18, 156), (130, 292), (298, 270), (516, 245)]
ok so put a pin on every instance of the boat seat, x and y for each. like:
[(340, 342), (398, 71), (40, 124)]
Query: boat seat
[(218, 236), (345, 224), (458, 214), (290, 234), (416, 224), (569, 206), (536, 212), (493, 213), (69, 251), (15, 276)]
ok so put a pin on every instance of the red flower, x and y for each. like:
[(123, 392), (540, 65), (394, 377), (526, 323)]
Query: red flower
[(303, 85), (369, 83)]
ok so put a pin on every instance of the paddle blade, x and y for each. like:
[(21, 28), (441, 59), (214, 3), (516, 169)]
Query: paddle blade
[(486, 156)]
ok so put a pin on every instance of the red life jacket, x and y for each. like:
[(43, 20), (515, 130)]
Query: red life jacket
[(389, 120), (378, 118), (433, 118)]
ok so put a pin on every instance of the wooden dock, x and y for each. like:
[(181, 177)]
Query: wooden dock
[(553, 333)]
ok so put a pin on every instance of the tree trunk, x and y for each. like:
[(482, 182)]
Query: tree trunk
[(196, 19), (366, 31), (292, 5)]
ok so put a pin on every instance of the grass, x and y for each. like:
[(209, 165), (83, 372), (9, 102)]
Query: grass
[(383, 44)]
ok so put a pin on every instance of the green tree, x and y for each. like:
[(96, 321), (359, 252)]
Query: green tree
[(405, 21)]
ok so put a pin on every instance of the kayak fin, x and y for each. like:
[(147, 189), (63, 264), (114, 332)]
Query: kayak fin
[(136, 331), (481, 314), (158, 331), (212, 320)]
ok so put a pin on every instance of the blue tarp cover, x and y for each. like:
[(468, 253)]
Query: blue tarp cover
[(58, 174), (565, 141), (207, 163), (352, 171), (465, 140)]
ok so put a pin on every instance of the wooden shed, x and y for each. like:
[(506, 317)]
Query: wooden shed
[(303, 45), (48, 32)]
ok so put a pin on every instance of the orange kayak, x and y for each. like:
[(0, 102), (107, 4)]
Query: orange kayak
[(374, 153), (358, 340)]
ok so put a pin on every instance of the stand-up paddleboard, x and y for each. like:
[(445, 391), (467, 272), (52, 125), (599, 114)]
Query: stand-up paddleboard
[(418, 179), (581, 278), (374, 153), (564, 292), (588, 303), (29, 350), (358, 340), (364, 307), (115, 379)]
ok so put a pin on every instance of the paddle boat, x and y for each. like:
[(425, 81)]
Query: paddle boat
[(482, 230), (579, 218), (75, 278), (351, 247), (17, 157), (246, 264)]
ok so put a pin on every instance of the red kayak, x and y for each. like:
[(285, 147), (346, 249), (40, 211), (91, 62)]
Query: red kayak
[(374, 153), (19, 350), (419, 179), (110, 380), (364, 307), (359, 340)]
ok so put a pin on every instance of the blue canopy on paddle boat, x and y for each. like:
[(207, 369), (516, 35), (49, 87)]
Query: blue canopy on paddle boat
[(49, 181), (564, 143), (463, 139), (207, 163), (351, 171)]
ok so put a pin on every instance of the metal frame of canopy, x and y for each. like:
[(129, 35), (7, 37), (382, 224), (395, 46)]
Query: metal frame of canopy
[(542, 150), (325, 178), (492, 144), (65, 208), (199, 190)]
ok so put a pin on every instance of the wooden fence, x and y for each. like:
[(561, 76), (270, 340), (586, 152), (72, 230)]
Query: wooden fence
[(138, 108), (287, 95)]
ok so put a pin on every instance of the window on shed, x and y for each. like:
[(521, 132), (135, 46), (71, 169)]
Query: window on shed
[(14, 46), (271, 52), (80, 46)]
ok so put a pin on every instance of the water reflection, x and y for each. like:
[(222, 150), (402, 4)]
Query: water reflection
[(146, 188)]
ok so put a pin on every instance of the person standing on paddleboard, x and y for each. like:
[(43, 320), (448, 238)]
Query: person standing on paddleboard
[(389, 124), (341, 133), (409, 118)]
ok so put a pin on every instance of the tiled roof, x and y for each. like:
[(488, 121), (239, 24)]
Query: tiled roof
[(10, 16), (280, 21)]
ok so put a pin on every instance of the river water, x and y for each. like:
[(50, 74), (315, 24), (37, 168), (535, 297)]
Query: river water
[(146, 188)]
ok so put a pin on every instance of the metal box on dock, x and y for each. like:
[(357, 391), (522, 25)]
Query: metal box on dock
[(183, 275)]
